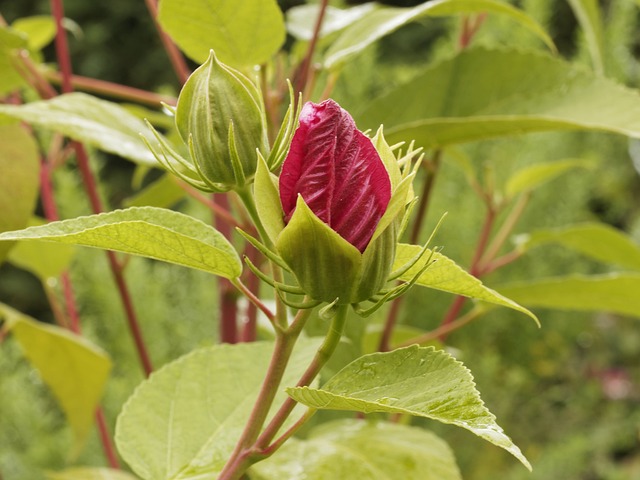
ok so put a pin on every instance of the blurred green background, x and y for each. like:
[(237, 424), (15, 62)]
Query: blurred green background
[(568, 394)]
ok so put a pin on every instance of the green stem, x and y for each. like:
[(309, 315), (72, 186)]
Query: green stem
[(240, 458)]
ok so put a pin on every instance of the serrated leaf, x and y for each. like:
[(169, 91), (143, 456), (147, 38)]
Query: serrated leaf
[(587, 13), (40, 30), (361, 450), (414, 380), (147, 231), (531, 177), (184, 421), (596, 240), (513, 92), (615, 292), (445, 275), (88, 473), (73, 368), (383, 21), (301, 19), (100, 123), (44, 259), (19, 180), (242, 32)]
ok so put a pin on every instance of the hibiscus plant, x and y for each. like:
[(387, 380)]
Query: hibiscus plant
[(317, 219)]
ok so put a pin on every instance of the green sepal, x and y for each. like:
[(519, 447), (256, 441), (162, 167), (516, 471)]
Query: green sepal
[(388, 158), (268, 204), (274, 257), (287, 129), (283, 287), (325, 264)]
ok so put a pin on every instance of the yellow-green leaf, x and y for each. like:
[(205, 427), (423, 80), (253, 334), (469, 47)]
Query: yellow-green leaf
[(88, 473)]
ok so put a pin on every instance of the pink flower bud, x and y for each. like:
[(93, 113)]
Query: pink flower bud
[(338, 173)]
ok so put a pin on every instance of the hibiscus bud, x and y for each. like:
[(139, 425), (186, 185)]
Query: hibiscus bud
[(334, 190), (220, 117)]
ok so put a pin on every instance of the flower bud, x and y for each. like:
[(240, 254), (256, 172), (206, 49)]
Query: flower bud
[(220, 117), (335, 192)]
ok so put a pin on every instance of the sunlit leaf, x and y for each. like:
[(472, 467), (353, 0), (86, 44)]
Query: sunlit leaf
[(301, 19), (445, 275), (381, 22), (151, 232), (19, 180), (100, 123), (419, 381), (362, 450), (87, 473), (242, 32), (74, 369), (184, 421), (596, 240), (513, 92), (40, 30), (615, 292)]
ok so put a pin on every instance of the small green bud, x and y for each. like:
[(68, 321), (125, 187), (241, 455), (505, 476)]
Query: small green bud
[(220, 116)]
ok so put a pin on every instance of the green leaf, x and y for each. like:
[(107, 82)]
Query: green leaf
[(74, 369), (401, 334), (588, 14), (267, 200), (362, 450), (242, 32), (82, 117), (301, 19), (44, 259), (596, 240), (615, 292), (184, 421), (39, 29), (513, 92), (383, 21), (447, 276), (414, 380), (19, 181), (531, 177), (10, 80), (151, 232), (88, 473), (164, 193)]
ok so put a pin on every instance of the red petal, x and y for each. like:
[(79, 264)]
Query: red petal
[(338, 172)]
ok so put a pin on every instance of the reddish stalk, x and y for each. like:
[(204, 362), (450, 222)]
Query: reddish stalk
[(303, 74), (122, 92), (177, 60), (64, 60), (226, 292), (249, 332)]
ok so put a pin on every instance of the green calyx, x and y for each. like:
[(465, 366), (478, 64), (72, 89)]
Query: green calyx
[(220, 117)]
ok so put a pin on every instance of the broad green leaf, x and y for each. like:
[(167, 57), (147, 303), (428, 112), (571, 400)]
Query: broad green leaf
[(615, 292), (445, 275), (163, 192), (597, 240), (103, 124), (44, 259), (414, 380), (74, 369), (40, 30), (362, 450), (531, 177), (184, 421), (88, 473), (151, 232), (381, 22), (19, 180), (242, 32), (10, 80), (301, 19), (588, 14), (513, 92)]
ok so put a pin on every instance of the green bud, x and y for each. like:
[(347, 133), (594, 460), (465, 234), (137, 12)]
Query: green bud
[(220, 116)]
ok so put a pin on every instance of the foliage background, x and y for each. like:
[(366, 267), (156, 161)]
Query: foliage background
[(568, 393)]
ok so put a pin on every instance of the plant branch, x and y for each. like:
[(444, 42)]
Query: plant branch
[(443, 329), (432, 167), (303, 74), (177, 60), (110, 89), (254, 300)]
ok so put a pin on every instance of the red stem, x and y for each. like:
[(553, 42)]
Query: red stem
[(227, 293), (177, 60), (105, 437), (249, 329)]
